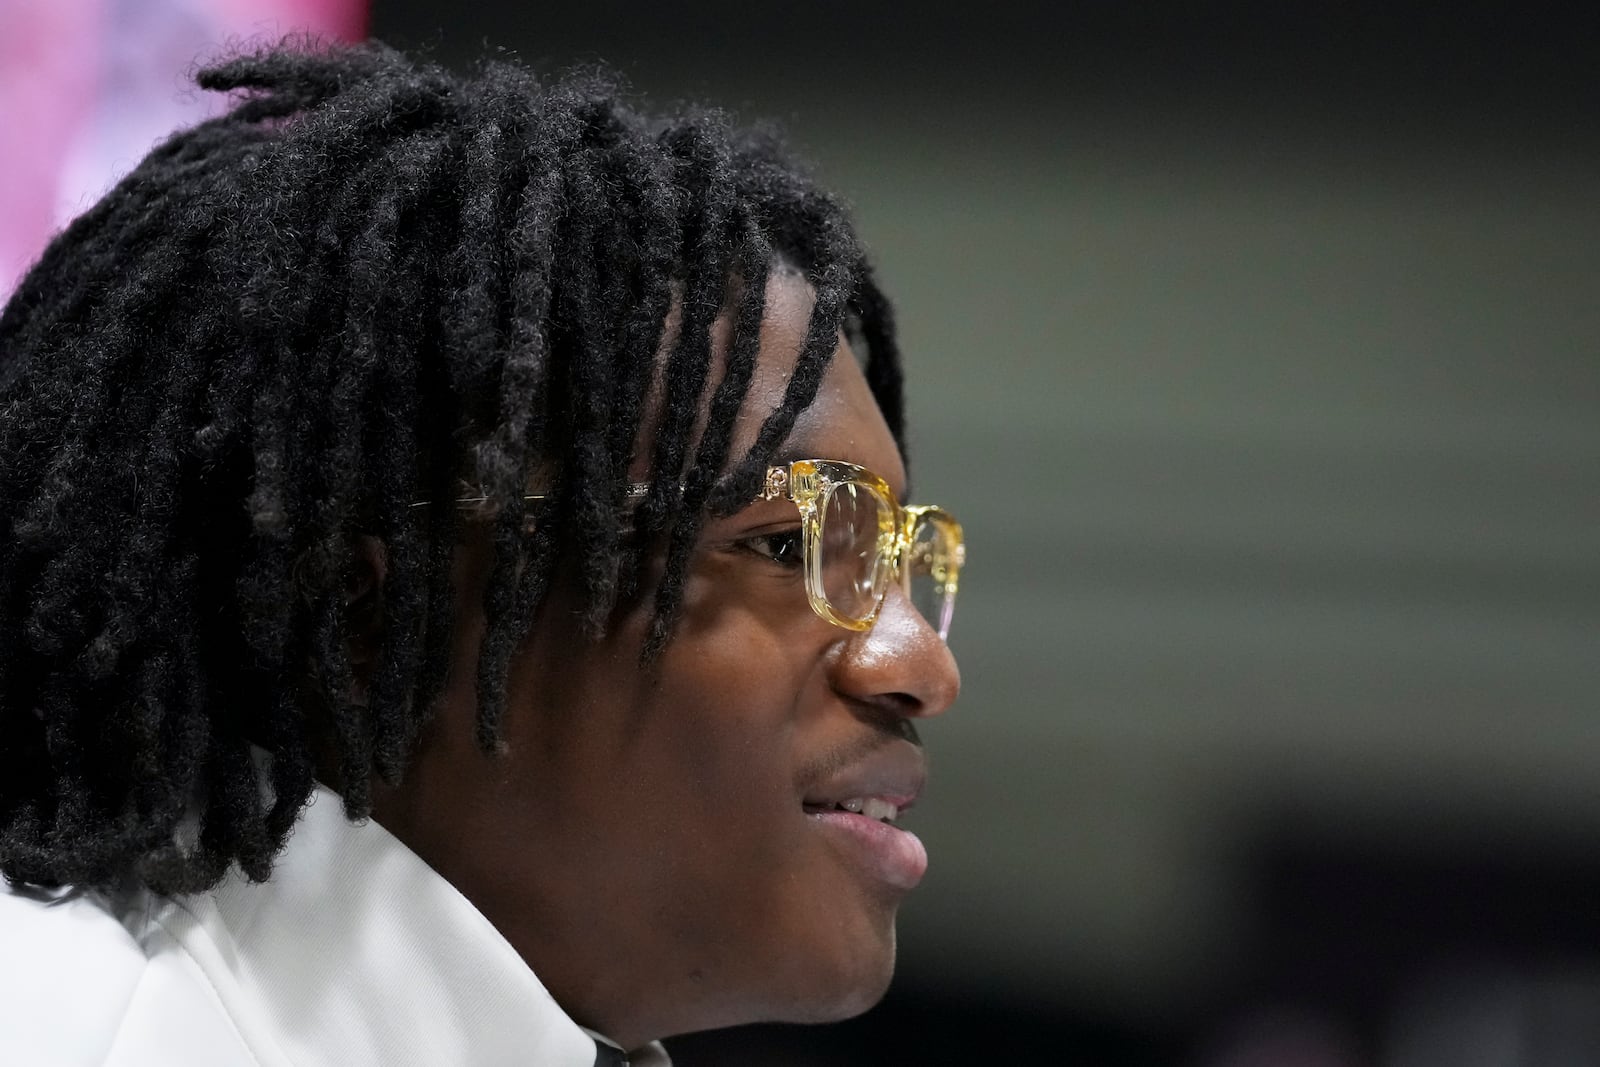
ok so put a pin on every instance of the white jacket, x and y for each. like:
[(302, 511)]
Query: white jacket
[(355, 952)]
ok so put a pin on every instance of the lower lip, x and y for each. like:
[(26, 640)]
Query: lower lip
[(894, 855)]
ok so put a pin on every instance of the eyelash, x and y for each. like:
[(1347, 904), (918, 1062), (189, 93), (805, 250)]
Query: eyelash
[(782, 547)]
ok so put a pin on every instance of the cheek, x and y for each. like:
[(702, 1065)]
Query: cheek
[(722, 730), (718, 738)]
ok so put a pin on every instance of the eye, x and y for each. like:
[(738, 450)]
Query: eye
[(782, 547)]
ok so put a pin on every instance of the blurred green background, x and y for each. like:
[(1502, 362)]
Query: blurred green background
[(1257, 351)]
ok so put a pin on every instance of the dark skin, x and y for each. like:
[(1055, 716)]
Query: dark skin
[(642, 839)]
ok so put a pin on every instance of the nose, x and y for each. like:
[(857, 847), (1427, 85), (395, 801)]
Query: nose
[(900, 664)]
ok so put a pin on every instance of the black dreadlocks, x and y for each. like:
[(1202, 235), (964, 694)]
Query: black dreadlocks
[(292, 323)]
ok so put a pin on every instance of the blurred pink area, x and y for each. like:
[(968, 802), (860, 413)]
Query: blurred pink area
[(87, 87)]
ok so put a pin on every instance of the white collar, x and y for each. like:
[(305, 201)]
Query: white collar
[(356, 951)]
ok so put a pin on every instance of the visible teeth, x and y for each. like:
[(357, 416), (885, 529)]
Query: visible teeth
[(879, 809), (871, 807)]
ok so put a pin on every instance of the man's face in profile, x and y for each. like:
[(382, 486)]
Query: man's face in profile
[(665, 845)]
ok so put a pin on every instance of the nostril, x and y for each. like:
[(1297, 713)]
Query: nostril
[(893, 713)]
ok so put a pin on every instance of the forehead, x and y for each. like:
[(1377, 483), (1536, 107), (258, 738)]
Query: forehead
[(844, 422)]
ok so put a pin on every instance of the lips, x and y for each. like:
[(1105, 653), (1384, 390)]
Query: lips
[(891, 772), (857, 808)]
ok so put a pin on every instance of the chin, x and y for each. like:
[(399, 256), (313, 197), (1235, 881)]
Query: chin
[(863, 998), (805, 980), (855, 986)]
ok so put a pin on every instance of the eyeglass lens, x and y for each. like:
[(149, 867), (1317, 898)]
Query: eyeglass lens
[(855, 574), (927, 574), (856, 532)]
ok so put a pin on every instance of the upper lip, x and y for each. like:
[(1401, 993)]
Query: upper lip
[(895, 773)]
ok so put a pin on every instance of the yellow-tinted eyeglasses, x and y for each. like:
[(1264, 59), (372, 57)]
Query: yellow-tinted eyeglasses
[(857, 539)]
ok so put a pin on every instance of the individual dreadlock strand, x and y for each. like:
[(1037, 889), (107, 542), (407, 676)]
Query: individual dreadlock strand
[(291, 773), (397, 707), (828, 255), (285, 736), (589, 373), (715, 442), (875, 316), (531, 588), (431, 667), (234, 825), (399, 695), (503, 464), (502, 461), (348, 719), (476, 263), (608, 355), (660, 236), (159, 795), (300, 78), (68, 812), (206, 863), (146, 813), (641, 340), (816, 352), (657, 238), (265, 584), (705, 164)]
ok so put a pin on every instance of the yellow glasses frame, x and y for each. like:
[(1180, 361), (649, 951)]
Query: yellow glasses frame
[(807, 483)]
